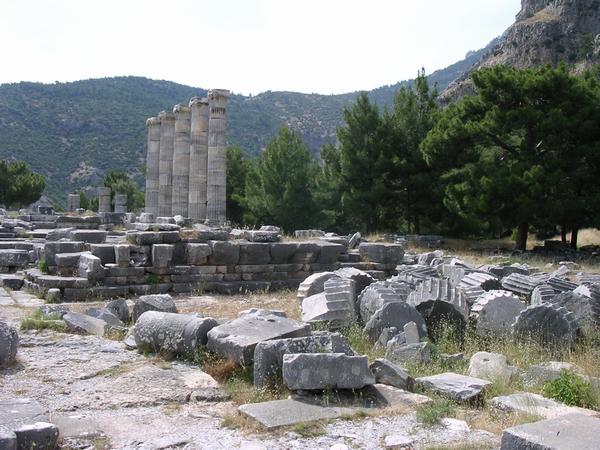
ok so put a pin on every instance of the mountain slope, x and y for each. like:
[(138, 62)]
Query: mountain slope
[(75, 132)]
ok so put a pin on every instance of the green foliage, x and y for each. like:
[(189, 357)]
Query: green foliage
[(360, 342), (521, 151), (42, 266), (279, 186), (18, 185), (432, 413), (572, 390), (121, 183), (237, 172), (152, 279), (39, 321)]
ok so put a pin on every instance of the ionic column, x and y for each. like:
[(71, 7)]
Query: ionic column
[(198, 158), (216, 185), (165, 167), (152, 165), (104, 199), (181, 160)]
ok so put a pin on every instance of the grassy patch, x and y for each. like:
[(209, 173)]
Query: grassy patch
[(360, 342), (309, 429), (38, 321), (572, 390), (43, 266), (432, 413)]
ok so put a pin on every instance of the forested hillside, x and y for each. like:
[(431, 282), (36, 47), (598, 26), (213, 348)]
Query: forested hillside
[(73, 133)]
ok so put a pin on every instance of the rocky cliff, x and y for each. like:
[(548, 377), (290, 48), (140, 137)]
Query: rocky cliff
[(545, 32)]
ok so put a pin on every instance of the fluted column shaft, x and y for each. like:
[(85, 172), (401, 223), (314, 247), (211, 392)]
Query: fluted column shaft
[(217, 157), (152, 166), (198, 158), (181, 161), (165, 176)]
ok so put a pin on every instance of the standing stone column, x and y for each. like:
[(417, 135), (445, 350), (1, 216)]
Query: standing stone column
[(181, 161), (165, 174), (198, 158), (104, 200), (152, 165), (73, 202), (121, 203), (217, 157)]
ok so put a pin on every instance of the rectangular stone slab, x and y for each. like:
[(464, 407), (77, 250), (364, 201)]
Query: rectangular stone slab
[(455, 386), (536, 405), (570, 432), (281, 413)]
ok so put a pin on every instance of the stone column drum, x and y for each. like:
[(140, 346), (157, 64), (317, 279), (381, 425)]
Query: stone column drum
[(121, 203), (217, 157), (181, 161), (73, 202), (104, 200), (165, 174), (198, 158), (152, 164)]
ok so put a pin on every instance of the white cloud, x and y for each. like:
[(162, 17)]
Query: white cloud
[(249, 46)]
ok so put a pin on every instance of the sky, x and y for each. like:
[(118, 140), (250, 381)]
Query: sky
[(247, 46)]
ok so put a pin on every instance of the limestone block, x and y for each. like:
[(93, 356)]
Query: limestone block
[(88, 236), (572, 431), (90, 267), (120, 309), (310, 371), (224, 253), (491, 366), (268, 355), (105, 314), (197, 254), (386, 372), (455, 386), (283, 252), (399, 352), (106, 253), (122, 255), (395, 314), (329, 252), (254, 253), (535, 405), (306, 253), (42, 435), (238, 338), (84, 324), (381, 252), (9, 343), (158, 302), (162, 254), (261, 235), (314, 284), (176, 334), (52, 248)]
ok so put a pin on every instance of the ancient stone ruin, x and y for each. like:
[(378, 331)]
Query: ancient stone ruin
[(186, 161)]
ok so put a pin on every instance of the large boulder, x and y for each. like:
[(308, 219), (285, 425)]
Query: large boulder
[(268, 355), (395, 314), (311, 371), (157, 302), (9, 342), (171, 333), (491, 366), (237, 339), (84, 324)]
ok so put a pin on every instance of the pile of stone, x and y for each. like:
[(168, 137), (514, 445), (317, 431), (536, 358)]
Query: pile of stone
[(431, 288)]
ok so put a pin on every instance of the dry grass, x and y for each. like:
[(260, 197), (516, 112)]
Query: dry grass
[(237, 421), (493, 420), (545, 15)]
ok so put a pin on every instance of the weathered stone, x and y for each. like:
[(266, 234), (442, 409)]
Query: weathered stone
[(314, 284), (491, 366), (254, 253), (162, 255), (455, 386), (14, 258), (268, 355), (262, 235), (381, 253), (120, 309), (428, 296), (386, 372), (224, 253), (585, 309), (11, 281), (122, 255), (485, 281), (88, 236), (106, 252), (176, 334), (425, 259), (411, 333), (54, 311), (335, 305), (84, 324), (279, 413), (67, 260), (542, 293), (108, 316), (307, 234), (42, 435), (90, 267), (539, 374), (309, 371), (399, 352), (572, 431), (377, 294), (495, 311), (561, 285), (398, 442), (237, 339), (197, 254), (548, 324), (354, 240), (9, 343), (158, 302), (535, 405), (329, 252), (520, 284), (394, 315), (8, 440), (53, 295)]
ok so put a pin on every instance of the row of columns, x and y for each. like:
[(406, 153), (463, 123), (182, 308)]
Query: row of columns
[(186, 162)]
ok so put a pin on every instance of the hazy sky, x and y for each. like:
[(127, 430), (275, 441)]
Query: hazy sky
[(247, 46)]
